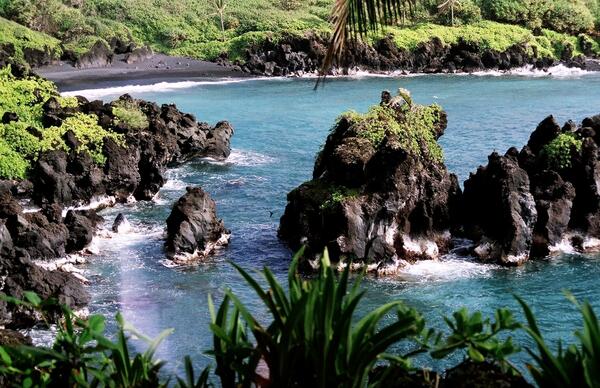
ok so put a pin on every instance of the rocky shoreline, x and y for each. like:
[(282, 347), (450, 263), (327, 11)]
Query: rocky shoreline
[(39, 220), (295, 55), (381, 197)]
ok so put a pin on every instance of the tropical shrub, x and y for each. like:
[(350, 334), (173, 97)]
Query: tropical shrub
[(467, 12), (24, 96), (480, 337), (511, 11), (86, 130), (559, 152), (129, 113), (313, 338), (572, 365), (571, 16), (12, 164), (81, 355)]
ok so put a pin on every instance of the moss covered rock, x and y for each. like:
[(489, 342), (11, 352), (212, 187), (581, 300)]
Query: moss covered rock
[(381, 195)]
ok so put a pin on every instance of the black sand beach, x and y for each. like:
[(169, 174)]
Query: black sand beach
[(159, 68)]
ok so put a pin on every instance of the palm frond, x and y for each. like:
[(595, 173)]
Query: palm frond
[(353, 18)]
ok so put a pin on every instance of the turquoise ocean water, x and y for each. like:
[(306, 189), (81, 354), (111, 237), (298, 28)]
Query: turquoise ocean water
[(280, 125)]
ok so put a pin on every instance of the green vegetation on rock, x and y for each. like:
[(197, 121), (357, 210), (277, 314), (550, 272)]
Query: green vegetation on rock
[(414, 125), (23, 38), (337, 195), (202, 29), (560, 151), (21, 141), (487, 35), (86, 130), (129, 114)]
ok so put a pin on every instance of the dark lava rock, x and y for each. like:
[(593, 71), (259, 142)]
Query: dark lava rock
[(120, 224), (296, 55), (380, 204), (139, 54), (9, 117), (135, 168), (527, 204), (119, 46), (193, 229), (81, 225), (20, 274), (100, 55), (481, 375), (36, 58), (13, 339), (499, 211)]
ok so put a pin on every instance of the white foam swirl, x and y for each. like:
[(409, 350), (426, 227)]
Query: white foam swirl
[(159, 87)]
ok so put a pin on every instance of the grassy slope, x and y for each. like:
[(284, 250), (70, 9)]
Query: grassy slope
[(489, 35), (192, 27), (22, 37)]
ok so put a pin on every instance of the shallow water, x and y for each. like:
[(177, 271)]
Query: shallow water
[(280, 125)]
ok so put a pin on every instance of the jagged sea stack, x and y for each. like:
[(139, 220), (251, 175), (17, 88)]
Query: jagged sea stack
[(193, 229), (542, 199), (381, 194)]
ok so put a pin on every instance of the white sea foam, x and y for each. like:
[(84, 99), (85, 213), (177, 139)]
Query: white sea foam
[(559, 71), (159, 87), (243, 158), (448, 268), (97, 203)]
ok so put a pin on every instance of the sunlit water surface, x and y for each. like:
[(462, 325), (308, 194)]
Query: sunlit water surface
[(280, 125)]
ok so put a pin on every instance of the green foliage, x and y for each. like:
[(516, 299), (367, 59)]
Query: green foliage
[(129, 114), (24, 38), (337, 196), (487, 35), (185, 27), (21, 141), (88, 132), (415, 126), (560, 151), (25, 97), (573, 365), (570, 16), (81, 355), (479, 337), (467, 12), (310, 337), (12, 164), (313, 338)]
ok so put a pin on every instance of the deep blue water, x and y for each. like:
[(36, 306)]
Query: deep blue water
[(280, 125)]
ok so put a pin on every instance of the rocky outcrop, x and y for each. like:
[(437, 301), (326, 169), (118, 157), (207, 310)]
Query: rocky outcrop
[(20, 274), (121, 225), (381, 195), (193, 229), (530, 203), (45, 234), (135, 168), (299, 54), (99, 55), (139, 54), (380, 203), (500, 211)]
